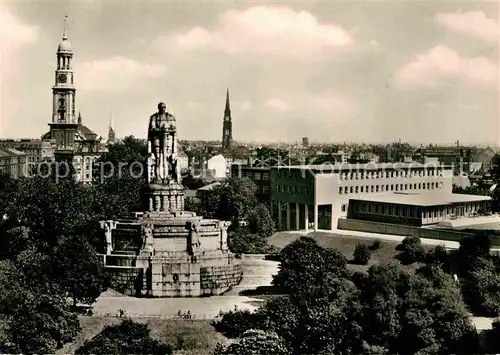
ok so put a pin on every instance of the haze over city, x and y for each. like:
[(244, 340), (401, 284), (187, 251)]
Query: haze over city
[(365, 72)]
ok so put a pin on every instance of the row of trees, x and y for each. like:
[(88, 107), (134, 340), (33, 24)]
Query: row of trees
[(326, 309), (49, 238)]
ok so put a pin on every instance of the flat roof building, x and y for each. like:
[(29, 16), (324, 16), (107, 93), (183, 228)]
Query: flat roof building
[(316, 196), (416, 209)]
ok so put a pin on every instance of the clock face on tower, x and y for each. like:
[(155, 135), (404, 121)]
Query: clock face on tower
[(61, 78)]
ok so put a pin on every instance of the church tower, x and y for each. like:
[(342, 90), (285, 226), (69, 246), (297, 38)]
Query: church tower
[(111, 132), (227, 126), (64, 124)]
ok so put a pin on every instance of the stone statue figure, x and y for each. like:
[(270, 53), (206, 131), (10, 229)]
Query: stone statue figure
[(108, 227), (109, 241), (148, 238), (223, 225), (194, 241), (162, 147)]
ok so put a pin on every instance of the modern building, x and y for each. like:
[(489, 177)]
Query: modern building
[(13, 162), (304, 197), (227, 126), (74, 142), (36, 150), (416, 209), (259, 175)]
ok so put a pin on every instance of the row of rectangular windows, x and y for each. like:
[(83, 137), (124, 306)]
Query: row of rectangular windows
[(392, 187), (256, 175), (390, 174), (411, 212), (292, 189)]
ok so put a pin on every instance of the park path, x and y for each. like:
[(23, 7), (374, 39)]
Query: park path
[(256, 272)]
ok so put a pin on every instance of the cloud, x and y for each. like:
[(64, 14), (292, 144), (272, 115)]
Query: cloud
[(13, 36), (324, 105), (472, 23), (265, 30), (443, 63), (278, 105), (116, 73), (242, 105)]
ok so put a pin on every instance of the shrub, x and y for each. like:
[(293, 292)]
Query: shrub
[(362, 254), (412, 253), (234, 323), (376, 244), (438, 256), (410, 241)]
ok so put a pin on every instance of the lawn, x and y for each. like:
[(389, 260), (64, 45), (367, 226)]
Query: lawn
[(189, 337), (345, 244)]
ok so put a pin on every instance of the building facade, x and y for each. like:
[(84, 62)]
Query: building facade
[(74, 142), (416, 209), (259, 175), (304, 197), (36, 151), (13, 162)]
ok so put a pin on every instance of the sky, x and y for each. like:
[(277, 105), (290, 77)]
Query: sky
[(358, 71)]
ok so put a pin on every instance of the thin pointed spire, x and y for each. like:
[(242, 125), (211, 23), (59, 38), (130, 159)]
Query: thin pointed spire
[(111, 120), (64, 29), (79, 117), (228, 108)]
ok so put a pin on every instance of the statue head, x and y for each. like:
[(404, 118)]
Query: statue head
[(162, 108)]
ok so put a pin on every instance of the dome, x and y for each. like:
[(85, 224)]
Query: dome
[(64, 46)]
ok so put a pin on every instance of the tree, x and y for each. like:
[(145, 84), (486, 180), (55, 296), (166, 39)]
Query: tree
[(305, 268), (126, 338), (407, 313), (256, 342), (36, 316), (79, 270), (232, 200), (495, 168), (483, 291), (362, 254), (234, 324), (243, 242), (260, 221), (125, 158)]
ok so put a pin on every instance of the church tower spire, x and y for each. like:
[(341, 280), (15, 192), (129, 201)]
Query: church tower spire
[(111, 132), (64, 122), (227, 126)]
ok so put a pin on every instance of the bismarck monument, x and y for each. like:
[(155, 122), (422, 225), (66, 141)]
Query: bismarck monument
[(165, 251)]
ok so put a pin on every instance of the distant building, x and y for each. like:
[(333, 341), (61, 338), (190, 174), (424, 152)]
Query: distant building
[(341, 157), (483, 156), (227, 126), (13, 162), (457, 157), (259, 175), (36, 150), (305, 142), (217, 166)]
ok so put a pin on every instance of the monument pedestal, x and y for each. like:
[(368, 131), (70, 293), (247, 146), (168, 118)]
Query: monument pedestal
[(164, 197)]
